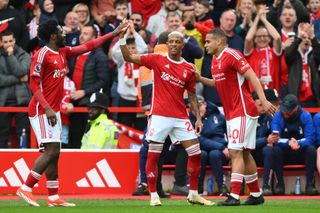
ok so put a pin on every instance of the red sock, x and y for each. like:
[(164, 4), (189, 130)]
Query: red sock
[(154, 152), (252, 182), (32, 179), (236, 182), (152, 170), (194, 165), (52, 186)]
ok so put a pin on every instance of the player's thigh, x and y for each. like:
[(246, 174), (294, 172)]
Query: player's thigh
[(159, 128), (44, 132), (182, 131), (241, 132)]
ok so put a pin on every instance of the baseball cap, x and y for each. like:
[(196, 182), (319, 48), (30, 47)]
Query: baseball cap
[(289, 102), (200, 99), (98, 99), (271, 95)]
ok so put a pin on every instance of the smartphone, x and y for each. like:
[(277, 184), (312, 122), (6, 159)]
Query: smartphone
[(274, 132), (291, 34)]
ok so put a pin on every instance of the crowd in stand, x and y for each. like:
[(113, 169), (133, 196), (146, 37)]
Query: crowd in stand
[(278, 38)]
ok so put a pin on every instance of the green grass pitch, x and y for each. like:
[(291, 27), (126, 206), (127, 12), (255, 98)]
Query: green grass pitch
[(168, 206)]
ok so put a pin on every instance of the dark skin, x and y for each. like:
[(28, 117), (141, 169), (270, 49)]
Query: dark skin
[(175, 45), (48, 161)]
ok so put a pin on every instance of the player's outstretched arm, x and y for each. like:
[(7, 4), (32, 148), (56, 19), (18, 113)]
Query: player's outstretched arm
[(193, 101), (206, 81), (95, 43), (127, 56)]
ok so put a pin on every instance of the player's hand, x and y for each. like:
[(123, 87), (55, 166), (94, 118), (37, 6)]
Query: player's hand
[(121, 29), (51, 116), (77, 94), (225, 151), (198, 126), (269, 108)]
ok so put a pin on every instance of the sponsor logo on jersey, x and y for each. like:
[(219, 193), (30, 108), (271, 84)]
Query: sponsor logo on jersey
[(58, 73), (173, 80)]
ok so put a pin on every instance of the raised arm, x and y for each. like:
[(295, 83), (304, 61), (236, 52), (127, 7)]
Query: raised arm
[(95, 43), (277, 44), (133, 58), (248, 43)]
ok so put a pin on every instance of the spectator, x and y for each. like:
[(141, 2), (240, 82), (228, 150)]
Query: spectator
[(147, 36), (15, 22), (47, 11), (14, 89), (33, 25), (303, 59), (89, 73), (264, 154), (227, 24), (245, 15), (128, 74), (202, 13), (314, 11), (220, 6), (62, 7), (156, 23), (191, 49), (102, 11), (84, 14), (263, 59), (101, 133), (72, 28), (66, 108), (316, 121), (212, 143), (296, 144)]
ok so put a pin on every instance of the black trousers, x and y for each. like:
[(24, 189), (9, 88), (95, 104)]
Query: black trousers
[(22, 122)]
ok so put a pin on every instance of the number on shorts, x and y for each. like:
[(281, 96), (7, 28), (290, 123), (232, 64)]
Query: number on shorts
[(189, 126), (234, 135)]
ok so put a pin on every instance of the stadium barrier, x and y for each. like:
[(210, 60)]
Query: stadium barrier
[(80, 172)]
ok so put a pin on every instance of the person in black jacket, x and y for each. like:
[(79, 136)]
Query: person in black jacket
[(303, 60), (212, 143)]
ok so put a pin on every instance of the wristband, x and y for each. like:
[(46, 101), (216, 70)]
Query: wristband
[(122, 41)]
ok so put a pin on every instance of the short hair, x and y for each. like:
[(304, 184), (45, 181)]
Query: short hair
[(172, 14), (204, 3), (163, 37), (94, 30), (130, 40), (46, 29), (138, 13), (217, 32), (6, 33), (120, 2)]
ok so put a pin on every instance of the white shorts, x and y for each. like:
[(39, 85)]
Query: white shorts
[(241, 132), (44, 132), (159, 127)]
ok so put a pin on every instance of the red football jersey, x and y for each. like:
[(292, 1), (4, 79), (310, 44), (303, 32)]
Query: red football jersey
[(232, 87), (170, 80), (51, 67)]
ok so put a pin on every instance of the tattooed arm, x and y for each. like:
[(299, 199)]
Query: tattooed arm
[(193, 101)]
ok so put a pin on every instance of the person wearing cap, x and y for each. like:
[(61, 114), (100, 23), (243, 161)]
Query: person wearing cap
[(296, 144), (214, 147), (101, 133), (264, 154)]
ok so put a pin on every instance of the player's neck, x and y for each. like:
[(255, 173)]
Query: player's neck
[(52, 46), (221, 48), (174, 57)]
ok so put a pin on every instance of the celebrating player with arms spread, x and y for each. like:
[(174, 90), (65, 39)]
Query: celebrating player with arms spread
[(47, 72), (168, 116), (231, 75)]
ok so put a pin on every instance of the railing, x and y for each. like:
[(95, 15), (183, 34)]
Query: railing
[(33, 142)]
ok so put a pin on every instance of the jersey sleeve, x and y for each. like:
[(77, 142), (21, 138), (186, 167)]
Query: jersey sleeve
[(191, 84), (37, 66), (238, 62), (149, 60)]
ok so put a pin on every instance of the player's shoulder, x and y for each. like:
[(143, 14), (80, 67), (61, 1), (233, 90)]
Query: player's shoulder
[(233, 53), (39, 56), (192, 67)]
